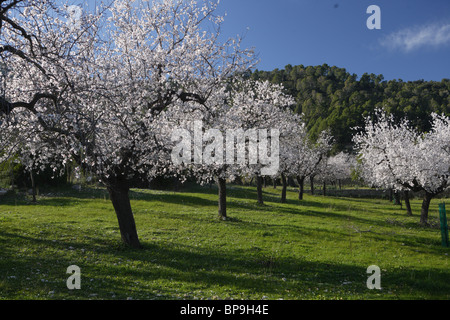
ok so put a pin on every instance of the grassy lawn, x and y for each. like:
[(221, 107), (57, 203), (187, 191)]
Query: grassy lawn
[(319, 248)]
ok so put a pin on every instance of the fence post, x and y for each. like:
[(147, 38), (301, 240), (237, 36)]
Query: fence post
[(444, 226)]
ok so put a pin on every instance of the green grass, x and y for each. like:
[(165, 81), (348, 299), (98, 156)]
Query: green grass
[(319, 248)]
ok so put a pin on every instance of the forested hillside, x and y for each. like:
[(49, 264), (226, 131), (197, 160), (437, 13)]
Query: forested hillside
[(330, 97)]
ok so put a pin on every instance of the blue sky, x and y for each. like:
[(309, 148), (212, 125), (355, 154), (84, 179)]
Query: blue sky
[(412, 44)]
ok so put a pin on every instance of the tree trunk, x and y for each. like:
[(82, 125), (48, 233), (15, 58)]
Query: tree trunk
[(301, 183), (311, 181), (11, 173), (291, 182), (67, 173), (259, 189), (221, 182), (324, 188), (176, 184), (274, 183), (407, 203), (118, 192), (283, 191), (397, 198), (425, 206), (33, 186)]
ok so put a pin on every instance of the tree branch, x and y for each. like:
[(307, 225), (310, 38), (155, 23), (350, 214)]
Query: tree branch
[(22, 55)]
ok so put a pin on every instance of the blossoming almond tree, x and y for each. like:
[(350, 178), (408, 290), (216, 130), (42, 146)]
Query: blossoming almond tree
[(230, 139), (262, 105), (308, 157), (201, 140), (337, 167), (96, 92), (395, 155), (293, 145)]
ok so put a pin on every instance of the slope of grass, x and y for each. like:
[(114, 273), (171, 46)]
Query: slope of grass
[(318, 248)]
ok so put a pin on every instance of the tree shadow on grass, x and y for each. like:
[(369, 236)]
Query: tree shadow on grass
[(186, 196), (235, 191), (168, 271), (308, 208), (61, 202), (176, 198), (266, 274)]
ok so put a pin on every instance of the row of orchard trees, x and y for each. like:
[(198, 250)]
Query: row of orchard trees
[(96, 87), (109, 89), (389, 153), (257, 132)]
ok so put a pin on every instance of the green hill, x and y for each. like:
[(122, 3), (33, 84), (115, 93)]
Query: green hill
[(332, 98)]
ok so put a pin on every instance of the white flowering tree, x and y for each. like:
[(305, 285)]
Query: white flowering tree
[(233, 137), (261, 105), (293, 144), (338, 167), (95, 92), (395, 155), (200, 150), (309, 157)]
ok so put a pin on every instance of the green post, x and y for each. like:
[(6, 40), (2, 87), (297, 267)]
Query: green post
[(444, 226)]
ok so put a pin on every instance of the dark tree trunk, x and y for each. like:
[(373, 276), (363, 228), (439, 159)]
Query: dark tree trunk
[(425, 206), (340, 184), (407, 203), (397, 198), (222, 184), (291, 182), (283, 191), (118, 192), (259, 189), (68, 173), (324, 188), (301, 183), (265, 182), (11, 172), (311, 181), (274, 183), (33, 186), (176, 184), (390, 195)]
